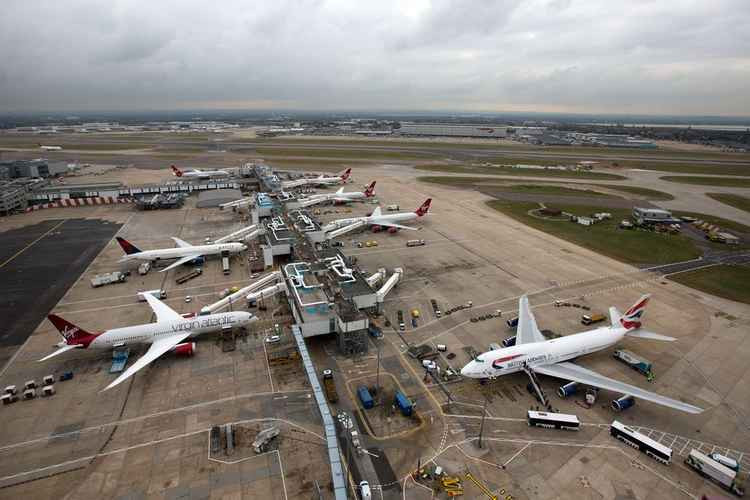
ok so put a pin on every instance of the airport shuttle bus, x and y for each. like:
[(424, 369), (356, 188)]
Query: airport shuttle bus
[(640, 442), (553, 420)]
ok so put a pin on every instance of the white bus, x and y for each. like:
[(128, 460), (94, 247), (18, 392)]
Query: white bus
[(553, 420), (640, 442)]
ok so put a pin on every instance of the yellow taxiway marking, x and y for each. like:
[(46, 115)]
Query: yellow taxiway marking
[(30, 244)]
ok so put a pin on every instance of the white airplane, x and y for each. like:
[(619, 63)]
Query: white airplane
[(200, 174), (321, 180), (168, 333), (339, 196), (550, 357), (377, 220), (50, 148), (184, 251)]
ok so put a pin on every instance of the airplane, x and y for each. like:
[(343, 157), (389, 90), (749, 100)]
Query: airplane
[(200, 174), (321, 180), (533, 353), (184, 251), (50, 148), (377, 220), (339, 196), (168, 333)]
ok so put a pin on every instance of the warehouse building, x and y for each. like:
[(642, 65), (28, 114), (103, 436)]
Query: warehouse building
[(439, 129)]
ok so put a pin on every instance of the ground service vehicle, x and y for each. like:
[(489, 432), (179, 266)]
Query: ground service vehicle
[(401, 324), (415, 243), (553, 420), (364, 490), (590, 319), (415, 313), (225, 269), (107, 279), (725, 461), (365, 397), (192, 274), (640, 442), (404, 404), (374, 331), (435, 307), (144, 268), (633, 360), (393, 208), (711, 469), (159, 294), (330, 386)]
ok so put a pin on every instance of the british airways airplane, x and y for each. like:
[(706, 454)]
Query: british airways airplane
[(550, 357)]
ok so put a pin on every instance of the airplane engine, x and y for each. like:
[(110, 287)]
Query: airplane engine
[(376, 229), (623, 403), (393, 230), (567, 390), (184, 349)]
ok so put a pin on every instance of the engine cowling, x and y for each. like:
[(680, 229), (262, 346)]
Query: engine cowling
[(376, 229), (184, 349), (393, 230)]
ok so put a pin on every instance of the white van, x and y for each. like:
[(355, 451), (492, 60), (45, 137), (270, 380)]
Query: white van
[(364, 490)]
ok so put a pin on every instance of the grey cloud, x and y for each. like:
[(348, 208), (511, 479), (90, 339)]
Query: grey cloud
[(573, 55)]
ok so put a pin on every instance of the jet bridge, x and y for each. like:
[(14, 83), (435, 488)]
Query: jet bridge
[(377, 277), (238, 236), (237, 203), (346, 229), (388, 285), (267, 292), (218, 306)]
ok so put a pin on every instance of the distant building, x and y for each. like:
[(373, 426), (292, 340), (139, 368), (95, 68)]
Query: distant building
[(439, 129), (33, 168)]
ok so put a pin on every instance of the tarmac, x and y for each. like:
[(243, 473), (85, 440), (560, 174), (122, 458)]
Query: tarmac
[(149, 437)]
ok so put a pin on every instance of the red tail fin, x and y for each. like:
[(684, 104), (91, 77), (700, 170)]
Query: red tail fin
[(346, 174), (424, 207), (70, 332), (370, 190), (127, 247), (176, 171)]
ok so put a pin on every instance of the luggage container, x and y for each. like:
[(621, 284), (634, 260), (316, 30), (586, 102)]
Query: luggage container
[(48, 390), (49, 379), (404, 404), (29, 394), (365, 397)]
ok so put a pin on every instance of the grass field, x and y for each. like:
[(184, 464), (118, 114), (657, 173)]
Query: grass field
[(346, 153), (727, 281), (631, 246), (733, 200), (708, 181), (550, 188), (649, 194), (724, 223), (559, 174)]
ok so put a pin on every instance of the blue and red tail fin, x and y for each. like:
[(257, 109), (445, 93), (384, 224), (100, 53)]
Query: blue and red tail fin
[(127, 247), (633, 316), (370, 191), (70, 332), (424, 207)]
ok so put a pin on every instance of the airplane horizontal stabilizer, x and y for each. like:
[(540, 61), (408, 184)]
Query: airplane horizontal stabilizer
[(61, 350), (645, 334)]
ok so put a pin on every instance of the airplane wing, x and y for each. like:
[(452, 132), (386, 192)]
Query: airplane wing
[(527, 332), (393, 224), (157, 349), (163, 311), (181, 261), (61, 350), (181, 243), (575, 373)]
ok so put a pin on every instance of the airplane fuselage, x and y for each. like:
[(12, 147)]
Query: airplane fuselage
[(179, 252), (208, 174), (150, 332), (512, 359)]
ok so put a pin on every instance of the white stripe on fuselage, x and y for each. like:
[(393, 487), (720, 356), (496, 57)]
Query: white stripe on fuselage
[(151, 332), (547, 352)]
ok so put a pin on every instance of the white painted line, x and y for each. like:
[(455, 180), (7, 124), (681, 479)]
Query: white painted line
[(516, 454), (268, 365)]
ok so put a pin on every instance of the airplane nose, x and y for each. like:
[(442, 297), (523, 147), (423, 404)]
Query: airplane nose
[(465, 370)]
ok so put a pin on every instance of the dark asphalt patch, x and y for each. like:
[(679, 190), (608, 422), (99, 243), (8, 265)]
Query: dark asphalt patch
[(34, 282)]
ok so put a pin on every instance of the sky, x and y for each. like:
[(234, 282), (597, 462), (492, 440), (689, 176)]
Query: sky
[(678, 57)]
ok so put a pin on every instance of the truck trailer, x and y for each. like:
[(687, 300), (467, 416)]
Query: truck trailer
[(330, 386), (365, 397), (634, 361), (713, 470), (107, 279), (404, 404)]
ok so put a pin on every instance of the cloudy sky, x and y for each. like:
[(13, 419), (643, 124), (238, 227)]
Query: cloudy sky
[(589, 56)]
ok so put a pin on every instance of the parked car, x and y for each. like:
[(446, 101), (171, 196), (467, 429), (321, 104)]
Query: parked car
[(273, 339)]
